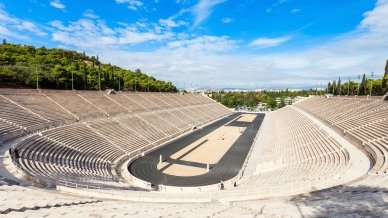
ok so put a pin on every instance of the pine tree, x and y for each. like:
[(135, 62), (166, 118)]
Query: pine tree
[(384, 85), (363, 85), (338, 91)]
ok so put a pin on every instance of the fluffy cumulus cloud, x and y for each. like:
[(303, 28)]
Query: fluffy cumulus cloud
[(90, 31), (203, 44), (83, 33), (132, 4), (30, 27), (18, 28), (58, 4), (171, 23), (90, 14)]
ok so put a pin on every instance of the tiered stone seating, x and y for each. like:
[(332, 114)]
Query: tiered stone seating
[(103, 103), (128, 139), (84, 139), (180, 114), (8, 130), (34, 102), (292, 150), (381, 150), (7, 127), (364, 119), (156, 100), (175, 118), (17, 201), (143, 101), (160, 123), (19, 116), (74, 103), (171, 100), (176, 99), (128, 101), (98, 130), (142, 128), (53, 161)]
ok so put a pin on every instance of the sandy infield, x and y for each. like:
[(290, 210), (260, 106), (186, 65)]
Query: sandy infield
[(248, 118), (210, 149)]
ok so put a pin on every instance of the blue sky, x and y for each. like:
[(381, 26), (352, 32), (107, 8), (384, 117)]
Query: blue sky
[(215, 43)]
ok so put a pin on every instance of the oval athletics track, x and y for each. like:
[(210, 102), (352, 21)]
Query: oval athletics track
[(145, 168)]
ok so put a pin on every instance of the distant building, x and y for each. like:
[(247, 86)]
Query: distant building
[(287, 101), (278, 101)]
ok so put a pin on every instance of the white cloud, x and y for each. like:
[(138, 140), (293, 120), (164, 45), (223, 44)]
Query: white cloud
[(171, 23), (207, 44), (4, 31), (90, 14), (280, 2), (203, 9), (88, 32), (182, 1), (133, 35), (58, 4), (295, 10), (17, 28), (83, 33), (132, 4), (226, 20), (31, 27), (265, 42)]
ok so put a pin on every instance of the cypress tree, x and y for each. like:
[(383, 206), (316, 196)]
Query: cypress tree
[(363, 85), (384, 85), (334, 87), (339, 86)]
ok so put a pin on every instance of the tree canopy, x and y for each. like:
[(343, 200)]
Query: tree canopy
[(354, 88), (252, 98), (384, 85), (24, 65)]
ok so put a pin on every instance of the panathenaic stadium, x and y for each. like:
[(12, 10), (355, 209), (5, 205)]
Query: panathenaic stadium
[(135, 154)]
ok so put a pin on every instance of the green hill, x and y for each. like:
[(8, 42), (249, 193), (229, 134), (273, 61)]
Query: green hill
[(23, 65)]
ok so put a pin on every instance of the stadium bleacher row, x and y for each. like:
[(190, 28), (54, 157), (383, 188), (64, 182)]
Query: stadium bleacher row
[(364, 119), (83, 135), (292, 150)]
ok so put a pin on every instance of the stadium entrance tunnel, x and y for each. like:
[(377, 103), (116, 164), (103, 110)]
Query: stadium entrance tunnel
[(209, 155)]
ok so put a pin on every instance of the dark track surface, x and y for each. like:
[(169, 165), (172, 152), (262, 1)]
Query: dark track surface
[(229, 165)]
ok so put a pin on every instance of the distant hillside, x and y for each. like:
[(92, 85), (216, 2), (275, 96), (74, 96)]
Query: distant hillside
[(21, 65)]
